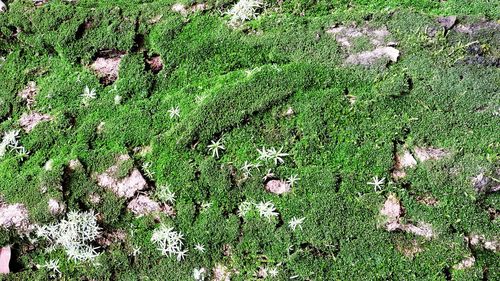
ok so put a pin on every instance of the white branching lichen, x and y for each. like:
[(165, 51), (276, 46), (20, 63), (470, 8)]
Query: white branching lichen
[(244, 10), (74, 234), (169, 242)]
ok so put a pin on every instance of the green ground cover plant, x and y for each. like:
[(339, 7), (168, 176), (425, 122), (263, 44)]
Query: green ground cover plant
[(250, 139)]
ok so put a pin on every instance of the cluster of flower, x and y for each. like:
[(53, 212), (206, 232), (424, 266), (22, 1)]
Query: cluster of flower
[(265, 209), (244, 10), (74, 234), (272, 154), (169, 242), (10, 141)]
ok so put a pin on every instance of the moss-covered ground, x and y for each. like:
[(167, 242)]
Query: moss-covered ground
[(279, 80)]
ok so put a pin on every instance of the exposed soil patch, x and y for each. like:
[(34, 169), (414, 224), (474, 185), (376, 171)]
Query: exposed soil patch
[(107, 65), (143, 205), (154, 63), (28, 121), (28, 93), (392, 211), (377, 45), (185, 10), (428, 153), (409, 249), (123, 187), (108, 238)]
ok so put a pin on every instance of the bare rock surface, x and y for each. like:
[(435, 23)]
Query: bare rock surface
[(465, 263), (28, 121), (123, 187), (28, 93), (15, 216), (278, 186), (392, 211), (379, 47), (428, 153)]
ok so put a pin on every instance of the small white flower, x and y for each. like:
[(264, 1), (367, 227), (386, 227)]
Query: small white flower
[(199, 247), (295, 222), (269, 175), (118, 99), (263, 155), (205, 206), (276, 155), (215, 147), (174, 112), (200, 98), (292, 180), (267, 210), (199, 274), (164, 194), (88, 95), (169, 242), (136, 251), (244, 10), (52, 265), (146, 167), (273, 272), (181, 255), (244, 208), (377, 183), (272, 154)]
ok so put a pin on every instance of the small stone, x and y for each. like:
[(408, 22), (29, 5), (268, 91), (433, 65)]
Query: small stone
[(55, 207), (14, 216), (447, 22), (143, 205), (465, 263), (3, 7), (155, 64), (278, 186), (221, 273), (107, 68), (429, 153)]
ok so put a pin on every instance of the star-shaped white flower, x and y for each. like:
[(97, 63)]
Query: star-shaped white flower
[(295, 222), (377, 183), (269, 175), (174, 112), (136, 251), (273, 272), (88, 95), (181, 255), (215, 147), (292, 180), (199, 247), (199, 274)]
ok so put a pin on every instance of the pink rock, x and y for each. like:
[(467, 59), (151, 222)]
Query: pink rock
[(29, 121), (429, 153), (278, 186), (15, 216), (107, 68), (28, 93), (4, 260), (143, 205), (123, 187)]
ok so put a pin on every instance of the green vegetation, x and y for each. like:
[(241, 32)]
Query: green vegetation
[(277, 81)]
